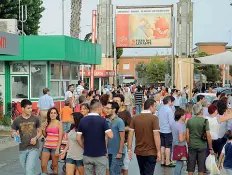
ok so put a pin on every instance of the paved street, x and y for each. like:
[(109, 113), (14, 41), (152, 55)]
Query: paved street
[(9, 164)]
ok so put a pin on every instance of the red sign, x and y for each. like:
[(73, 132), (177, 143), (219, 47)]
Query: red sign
[(98, 73), (2, 42)]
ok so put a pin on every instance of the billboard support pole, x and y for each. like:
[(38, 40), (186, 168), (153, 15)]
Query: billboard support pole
[(94, 14), (115, 52), (173, 49)]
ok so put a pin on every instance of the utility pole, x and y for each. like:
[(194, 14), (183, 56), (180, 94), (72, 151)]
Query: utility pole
[(63, 17)]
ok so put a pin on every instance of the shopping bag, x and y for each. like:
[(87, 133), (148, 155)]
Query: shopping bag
[(180, 152), (211, 165)]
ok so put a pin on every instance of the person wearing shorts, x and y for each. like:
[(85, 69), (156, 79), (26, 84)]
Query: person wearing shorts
[(74, 159), (166, 119), (197, 146), (125, 115)]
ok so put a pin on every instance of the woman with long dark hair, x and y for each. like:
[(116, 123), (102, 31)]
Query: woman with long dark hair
[(85, 109), (74, 160), (53, 134)]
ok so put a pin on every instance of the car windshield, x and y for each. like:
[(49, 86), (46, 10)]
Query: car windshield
[(209, 99)]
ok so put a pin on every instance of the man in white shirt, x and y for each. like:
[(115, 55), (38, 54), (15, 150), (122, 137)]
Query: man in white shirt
[(69, 96), (79, 88)]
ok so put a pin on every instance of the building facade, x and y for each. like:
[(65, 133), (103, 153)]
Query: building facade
[(105, 27), (43, 61)]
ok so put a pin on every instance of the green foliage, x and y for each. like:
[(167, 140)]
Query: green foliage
[(5, 121), (119, 52), (9, 9), (156, 71), (212, 72), (141, 69)]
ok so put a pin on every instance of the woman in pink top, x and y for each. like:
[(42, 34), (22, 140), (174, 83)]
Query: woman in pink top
[(189, 109), (53, 133)]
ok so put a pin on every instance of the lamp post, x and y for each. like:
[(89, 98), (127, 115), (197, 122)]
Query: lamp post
[(22, 15), (136, 54), (63, 17)]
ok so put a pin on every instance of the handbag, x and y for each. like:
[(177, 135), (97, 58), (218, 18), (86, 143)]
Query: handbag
[(180, 152), (204, 136)]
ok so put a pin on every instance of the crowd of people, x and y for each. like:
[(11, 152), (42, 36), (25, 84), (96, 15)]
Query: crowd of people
[(102, 124)]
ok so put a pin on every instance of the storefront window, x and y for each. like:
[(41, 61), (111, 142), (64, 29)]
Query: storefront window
[(20, 68), (54, 88), (74, 72), (66, 71), (38, 79), (64, 87), (19, 86), (1, 66), (2, 95), (55, 71)]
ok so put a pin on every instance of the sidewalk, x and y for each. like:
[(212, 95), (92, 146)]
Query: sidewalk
[(6, 141)]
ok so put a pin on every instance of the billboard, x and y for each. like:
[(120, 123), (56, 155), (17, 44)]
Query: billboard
[(143, 27)]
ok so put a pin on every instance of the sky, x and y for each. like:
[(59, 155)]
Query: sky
[(211, 20)]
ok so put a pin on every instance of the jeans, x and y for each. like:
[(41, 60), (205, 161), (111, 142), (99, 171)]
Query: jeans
[(228, 171), (178, 168), (115, 164), (29, 159), (146, 164), (138, 109), (66, 126)]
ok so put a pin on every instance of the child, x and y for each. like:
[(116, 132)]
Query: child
[(66, 118), (227, 153), (189, 110)]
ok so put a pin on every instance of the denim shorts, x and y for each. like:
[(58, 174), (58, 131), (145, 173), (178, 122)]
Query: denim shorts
[(78, 163), (49, 150)]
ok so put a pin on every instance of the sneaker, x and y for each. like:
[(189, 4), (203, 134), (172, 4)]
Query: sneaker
[(170, 165)]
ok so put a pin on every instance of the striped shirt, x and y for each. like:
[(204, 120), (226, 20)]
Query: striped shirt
[(52, 138), (138, 97)]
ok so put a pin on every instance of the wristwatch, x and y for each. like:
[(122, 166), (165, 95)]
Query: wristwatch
[(129, 150)]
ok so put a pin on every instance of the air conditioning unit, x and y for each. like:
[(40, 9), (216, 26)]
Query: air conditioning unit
[(8, 26)]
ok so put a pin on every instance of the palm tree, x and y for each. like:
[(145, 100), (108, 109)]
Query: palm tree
[(76, 6)]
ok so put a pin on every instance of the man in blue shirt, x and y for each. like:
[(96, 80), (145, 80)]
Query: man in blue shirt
[(116, 152), (166, 119), (94, 128), (44, 104)]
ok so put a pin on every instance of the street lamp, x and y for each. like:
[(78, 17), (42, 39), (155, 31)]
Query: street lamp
[(136, 54)]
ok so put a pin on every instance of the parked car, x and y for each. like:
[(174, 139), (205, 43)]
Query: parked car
[(208, 96)]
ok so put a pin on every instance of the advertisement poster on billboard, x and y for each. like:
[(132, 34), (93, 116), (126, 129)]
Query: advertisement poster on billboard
[(140, 27)]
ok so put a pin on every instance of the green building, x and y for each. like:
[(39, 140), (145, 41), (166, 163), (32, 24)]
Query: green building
[(43, 61)]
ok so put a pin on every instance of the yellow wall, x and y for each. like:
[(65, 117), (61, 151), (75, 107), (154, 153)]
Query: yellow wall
[(187, 73), (107, 64)]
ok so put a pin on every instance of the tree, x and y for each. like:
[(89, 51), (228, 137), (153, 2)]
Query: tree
[(9, 9), (155, 71), (212, 72), (119, 52), (76, 6)]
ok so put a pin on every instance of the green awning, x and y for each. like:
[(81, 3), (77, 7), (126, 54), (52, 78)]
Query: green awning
[(56, 48)]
